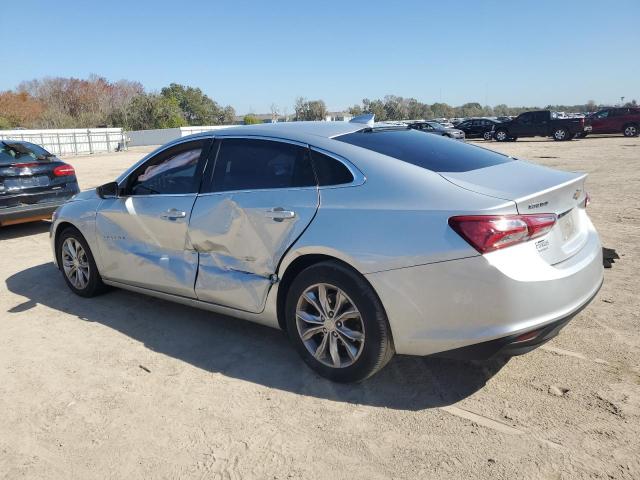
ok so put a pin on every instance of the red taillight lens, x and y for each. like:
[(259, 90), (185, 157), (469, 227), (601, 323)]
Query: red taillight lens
[(64, 170), (487, 233)]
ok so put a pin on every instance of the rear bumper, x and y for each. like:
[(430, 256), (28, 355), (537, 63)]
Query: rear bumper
[(496, 297), (513, 344), (24, 213)]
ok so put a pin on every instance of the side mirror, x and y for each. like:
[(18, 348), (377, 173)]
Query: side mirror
[(108, 190)]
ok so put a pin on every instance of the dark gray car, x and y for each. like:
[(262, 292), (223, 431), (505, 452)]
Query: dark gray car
[(437, 129), (33, 182)]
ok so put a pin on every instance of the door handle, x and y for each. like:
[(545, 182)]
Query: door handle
[(173, 214), (279, 214)]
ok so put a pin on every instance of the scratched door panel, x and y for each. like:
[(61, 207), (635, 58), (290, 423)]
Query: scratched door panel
[(241, 237)]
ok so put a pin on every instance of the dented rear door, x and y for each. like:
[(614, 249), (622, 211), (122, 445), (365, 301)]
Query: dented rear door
[(256, 202)]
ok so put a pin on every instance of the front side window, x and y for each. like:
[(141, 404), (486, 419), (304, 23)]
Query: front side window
[(173, 171), (602, 114), (252, 164), (432, 152)]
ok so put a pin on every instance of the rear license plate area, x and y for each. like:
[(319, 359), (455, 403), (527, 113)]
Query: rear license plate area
[(26, 182), (567, 225)]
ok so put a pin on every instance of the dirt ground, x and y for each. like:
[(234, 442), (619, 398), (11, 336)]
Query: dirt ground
[(126, 386)]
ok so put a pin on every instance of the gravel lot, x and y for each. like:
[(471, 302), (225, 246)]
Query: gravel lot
[(126, 386)]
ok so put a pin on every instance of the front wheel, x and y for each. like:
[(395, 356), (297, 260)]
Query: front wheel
[(77, 264), (561, 134), (630, 130), (337, 323)]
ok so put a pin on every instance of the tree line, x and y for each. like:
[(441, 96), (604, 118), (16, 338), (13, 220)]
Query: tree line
[(392, 107), (94, 102)]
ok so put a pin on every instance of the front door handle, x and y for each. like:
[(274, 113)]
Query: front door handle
[(173, 214), (279, 214)]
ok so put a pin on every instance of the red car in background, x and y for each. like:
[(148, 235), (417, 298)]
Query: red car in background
[(625, 120)]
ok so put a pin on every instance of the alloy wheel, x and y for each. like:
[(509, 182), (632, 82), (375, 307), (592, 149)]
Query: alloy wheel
[(560, 134), (630, 131), (330, 325), (501, 136), (75, 263)]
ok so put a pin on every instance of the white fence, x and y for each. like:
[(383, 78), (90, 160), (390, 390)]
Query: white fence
[(163, 135), (71, 141)]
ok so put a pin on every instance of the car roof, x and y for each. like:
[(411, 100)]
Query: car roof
[(287, 130)]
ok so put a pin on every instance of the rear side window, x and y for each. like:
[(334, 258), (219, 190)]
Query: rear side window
[(250, 164), (329, 170), (432, 152)]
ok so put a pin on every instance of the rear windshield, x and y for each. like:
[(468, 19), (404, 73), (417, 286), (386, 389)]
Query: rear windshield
[(425, 150), (15, 152)]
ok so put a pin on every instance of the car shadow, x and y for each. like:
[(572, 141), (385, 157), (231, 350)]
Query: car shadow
[(9, 232), (248, 351)]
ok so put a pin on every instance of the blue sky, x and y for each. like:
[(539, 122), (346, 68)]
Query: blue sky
[(251, 54)]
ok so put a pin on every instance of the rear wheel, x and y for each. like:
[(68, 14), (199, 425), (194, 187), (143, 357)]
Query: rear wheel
[(487, 135), (77, 264), (501, 136), (630, 130), (337, 323), (561, 134)]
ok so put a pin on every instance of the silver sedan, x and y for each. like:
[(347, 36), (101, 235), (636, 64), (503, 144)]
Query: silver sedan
[(358, 239)]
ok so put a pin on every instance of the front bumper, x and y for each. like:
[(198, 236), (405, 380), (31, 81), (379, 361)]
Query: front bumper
[(449, 305)]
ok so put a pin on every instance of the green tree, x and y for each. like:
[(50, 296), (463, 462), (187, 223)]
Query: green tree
[(150, 111), (251, 119), (197, 108), (310, 109)]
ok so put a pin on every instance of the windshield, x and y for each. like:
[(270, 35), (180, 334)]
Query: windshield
[(21, 152), (432, 152)]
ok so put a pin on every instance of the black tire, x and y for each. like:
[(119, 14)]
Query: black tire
[(487, 135), (501, 135), (561, 134), (630, 130), (94, 286), (580, 135), (377, 349)]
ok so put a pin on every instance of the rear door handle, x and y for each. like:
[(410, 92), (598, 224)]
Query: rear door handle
[(173, 214), (279, 214)]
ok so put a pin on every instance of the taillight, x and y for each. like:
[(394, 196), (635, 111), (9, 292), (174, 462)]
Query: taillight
[(587, 199), (64, 170), (487, 233)]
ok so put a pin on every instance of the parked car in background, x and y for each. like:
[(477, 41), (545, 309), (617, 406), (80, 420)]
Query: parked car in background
[(437, 129), (478, 128), (504, 118), (33, 182), (541, 123), (625, 120), (359, 240)]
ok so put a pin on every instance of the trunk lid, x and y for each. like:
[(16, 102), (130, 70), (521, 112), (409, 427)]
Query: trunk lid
[(536, 189)]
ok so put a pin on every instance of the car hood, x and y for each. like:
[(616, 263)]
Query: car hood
[(85, 195)]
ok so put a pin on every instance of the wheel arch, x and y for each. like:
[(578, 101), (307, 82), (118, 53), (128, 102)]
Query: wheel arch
[(59, 228), (297, 265)]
